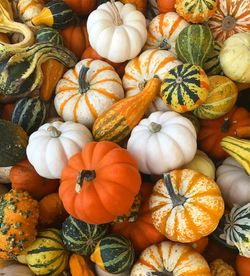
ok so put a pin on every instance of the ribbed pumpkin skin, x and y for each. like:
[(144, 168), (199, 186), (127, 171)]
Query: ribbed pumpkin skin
[(163, 31), (81, 237), (176, 259), (185, 87), (222, 97), (196, 11), (47, 255), (212, 65), (194, 44), (13, 143), (197, 217), (29, 113), (231, 16), (114, 254), (50, 35)]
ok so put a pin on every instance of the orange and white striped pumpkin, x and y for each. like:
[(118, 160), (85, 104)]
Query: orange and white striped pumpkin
[(186, 205), (169, 258), (87, 90), (163, 31), (28, 9), (232, 16), (150, 63)]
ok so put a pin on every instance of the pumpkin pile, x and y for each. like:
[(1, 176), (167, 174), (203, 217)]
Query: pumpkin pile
[(125, 137)]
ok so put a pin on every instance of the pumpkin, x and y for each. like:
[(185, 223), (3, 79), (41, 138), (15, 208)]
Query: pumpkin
[(196, 11), (81, 237), (91, 53), (236, 230), (212, 64), (220, 268), (53, 144), (143, 68), (202, 163), (82, 7), (186, 205), (114, 254), (51, 210), (200, 245), (87, 90), (24, 177), (122, 36), (13, 142), (212, 131), (16, 270), (194, 44), (78, 266), (140, 5), (55, 14), (185, 87), (163, 31), (75, 38), (47, 254), (239, 149), (19, 217), (222, 96), (236, 67), (166, 6), (230, 17), (169, 258), (5, 174), (156, 145), (100, 272), (117, 122), (243, 265), (140, 230)]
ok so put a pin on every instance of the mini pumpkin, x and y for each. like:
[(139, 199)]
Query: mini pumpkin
[(86, 91), (243, 265), (166, 6), (100, 166), (53, 144), (186, 205), (82, 7)]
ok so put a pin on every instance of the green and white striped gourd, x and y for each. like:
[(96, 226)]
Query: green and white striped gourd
[(114, 254), (81, 237), (194, 44), (47, 34), (237, 229), (47, 255), (29, 113), (212, 64), (185, 87)]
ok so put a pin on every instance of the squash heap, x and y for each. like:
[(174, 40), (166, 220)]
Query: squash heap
[(125, 137)]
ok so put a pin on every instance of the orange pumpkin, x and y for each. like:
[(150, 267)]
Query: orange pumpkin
[(24, 177), (243, 265), (186, 205), (99, 183), (212, 131), (140, 4), (200, 245), (82, 7), (166, 5), (75, 38), (91, 53), (141, 232), (79, 267)]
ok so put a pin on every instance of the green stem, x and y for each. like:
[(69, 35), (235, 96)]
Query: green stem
[(164, 45), (84, 175), (84, 86), (154, 127), (226, 125)]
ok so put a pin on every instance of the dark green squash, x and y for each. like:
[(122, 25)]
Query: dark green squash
[(29, 113), (47, 34), (81, 237), (212, 64), (13, 143), (194, 44)]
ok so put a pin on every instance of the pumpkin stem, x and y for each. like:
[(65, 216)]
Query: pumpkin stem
[(84, 175), (154, 127), (228, 23), (226, 125), (118, 20), (177, 199), (142, 84), (164, 45), (84, 86), (54, 132)]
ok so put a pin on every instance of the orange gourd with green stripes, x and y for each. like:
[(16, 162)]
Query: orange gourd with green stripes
[(186, 205), (116, 123), (87, 90), (185, 87), (169, 258)]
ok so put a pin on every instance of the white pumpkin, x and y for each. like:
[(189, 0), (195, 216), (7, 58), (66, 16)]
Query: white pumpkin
[(51, 146), (16, 270), (202, 163), (234, 182), (87, 90), (100, 272), (235, 57), (5, 174), (162, 142), (116, 31)]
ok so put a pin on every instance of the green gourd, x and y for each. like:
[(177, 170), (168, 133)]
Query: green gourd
[(47, 34)]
